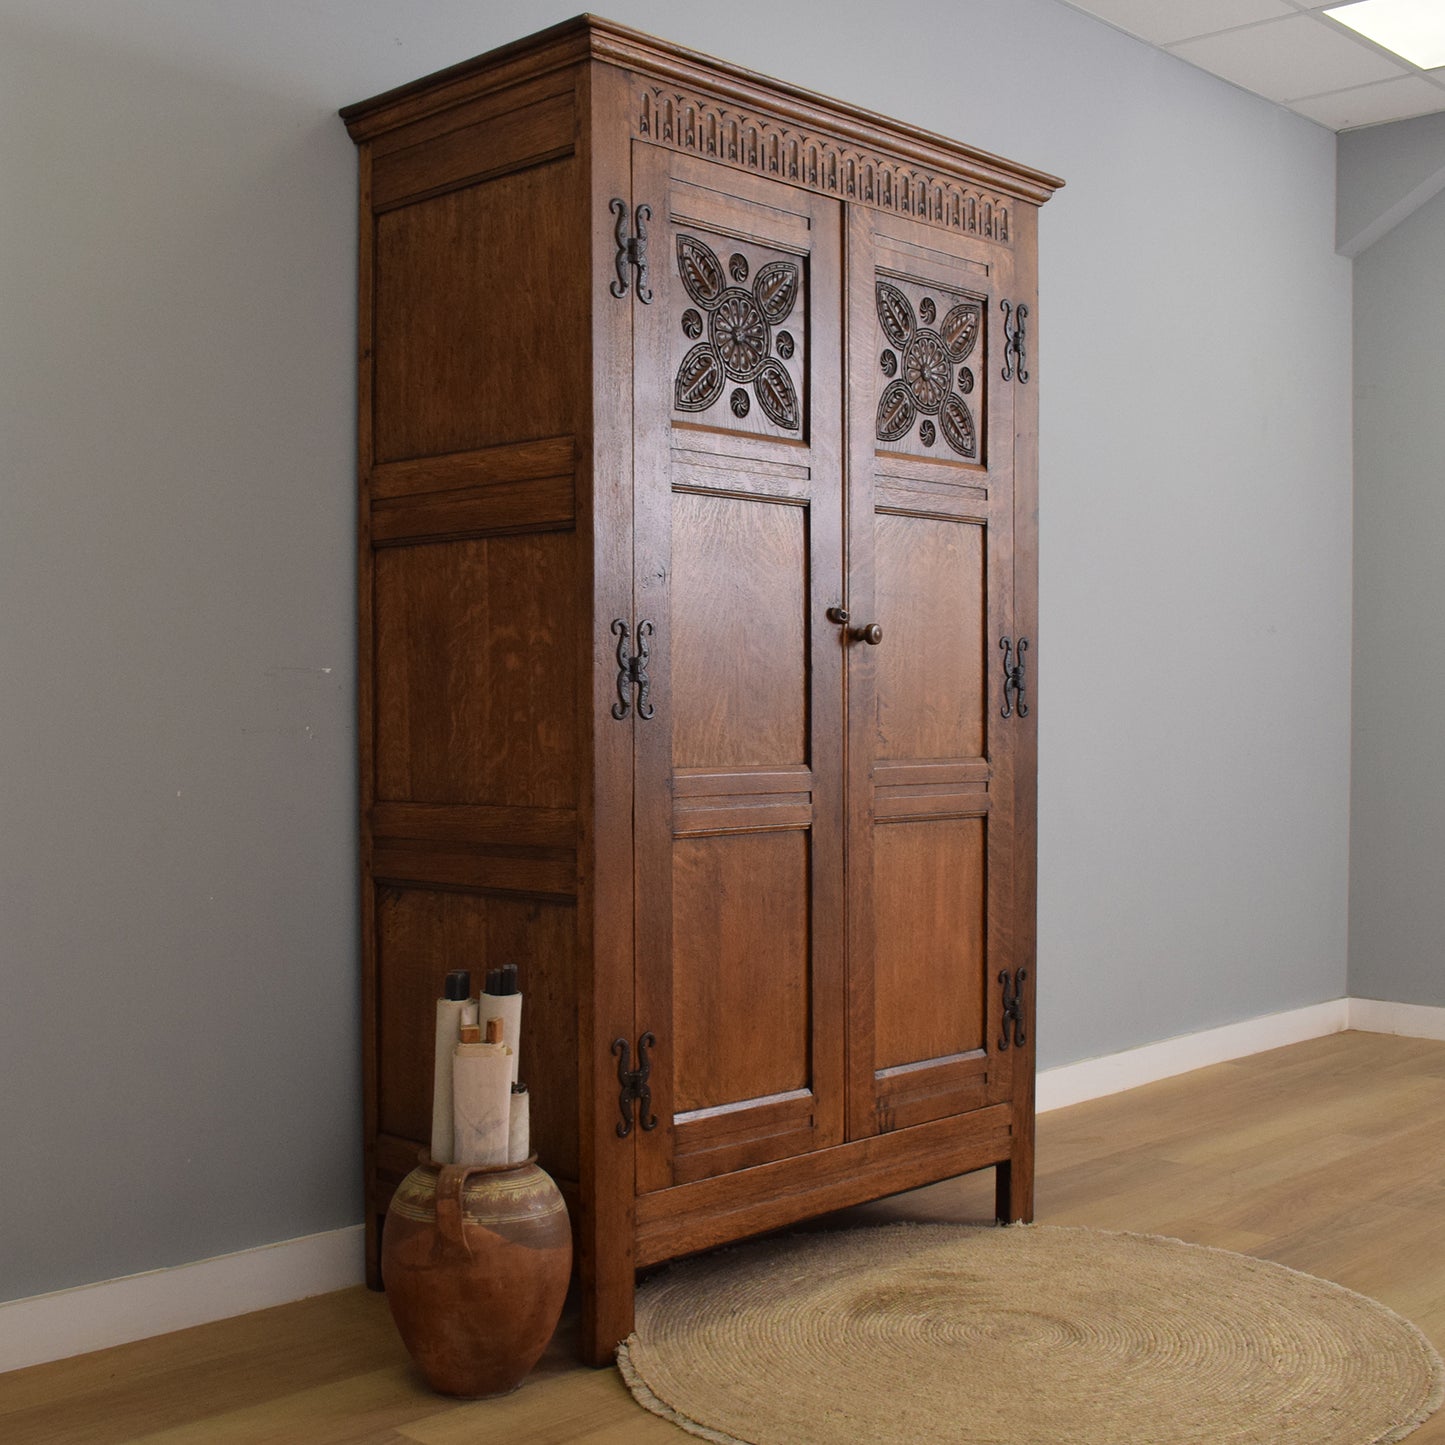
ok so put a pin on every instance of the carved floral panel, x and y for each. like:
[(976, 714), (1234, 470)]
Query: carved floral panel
[(739, 336), (930, 369)]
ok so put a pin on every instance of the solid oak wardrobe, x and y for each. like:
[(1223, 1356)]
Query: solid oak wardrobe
[(697, 592)]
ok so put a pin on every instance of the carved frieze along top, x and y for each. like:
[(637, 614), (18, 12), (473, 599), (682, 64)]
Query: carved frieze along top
[(756, 142), (924, 171)]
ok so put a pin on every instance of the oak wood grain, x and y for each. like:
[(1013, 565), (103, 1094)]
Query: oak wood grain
[(549, 449), (480, 319), (496, 510), (475, 672), (1016, 1179), (738, 528), (366, 711), (932, 800), (929, 960), (741, 968), (462, 471), (738, 680), (605, 1226), (487, 147)]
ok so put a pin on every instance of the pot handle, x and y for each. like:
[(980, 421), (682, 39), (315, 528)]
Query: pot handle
[(450, 1183)]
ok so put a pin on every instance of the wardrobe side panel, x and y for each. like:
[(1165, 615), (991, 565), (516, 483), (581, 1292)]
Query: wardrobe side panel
[(475, 598)]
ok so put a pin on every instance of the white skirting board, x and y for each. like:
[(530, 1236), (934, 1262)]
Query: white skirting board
[(1095, 1078), (117, 1311), (1411, 1020)]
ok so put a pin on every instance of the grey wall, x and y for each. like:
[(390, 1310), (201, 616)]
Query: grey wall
[(1397, 842), (176, 837), (1386, 173)]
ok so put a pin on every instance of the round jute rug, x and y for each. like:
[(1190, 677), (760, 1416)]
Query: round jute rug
[(1026, 1336)]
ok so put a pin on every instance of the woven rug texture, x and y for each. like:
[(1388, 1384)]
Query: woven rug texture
[(1032, 1335)]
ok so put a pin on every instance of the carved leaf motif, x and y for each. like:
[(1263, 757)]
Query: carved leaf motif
[(699, 379), (896, 412), (895, 312), (776, 395), (958, 430), (701, 271), (776, 289), (960, 329)]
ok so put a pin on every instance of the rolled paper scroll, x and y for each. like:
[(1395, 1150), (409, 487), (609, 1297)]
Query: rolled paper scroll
[(482, 1100), (453, 1010), (520, 1129), (508, 1008)]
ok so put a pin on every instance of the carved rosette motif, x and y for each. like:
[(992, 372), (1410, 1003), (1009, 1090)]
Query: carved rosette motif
[(766, 146), (740, 326), (926, 362)]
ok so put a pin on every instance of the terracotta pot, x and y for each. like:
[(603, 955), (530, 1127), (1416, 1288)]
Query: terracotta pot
[(475, 1262)]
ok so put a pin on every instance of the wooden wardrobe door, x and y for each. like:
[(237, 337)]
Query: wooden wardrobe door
[(931, 766), (739, 771)]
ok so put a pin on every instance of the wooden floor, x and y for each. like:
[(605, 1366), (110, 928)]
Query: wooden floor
[(1327, 1156)]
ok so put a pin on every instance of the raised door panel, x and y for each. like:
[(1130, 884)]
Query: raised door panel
[(931, 758), (475, 672), (736, 558), (479, 324), (738, 501), (929, 581)]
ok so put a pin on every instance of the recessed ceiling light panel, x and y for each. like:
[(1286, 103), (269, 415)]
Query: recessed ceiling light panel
[(1413, 29)]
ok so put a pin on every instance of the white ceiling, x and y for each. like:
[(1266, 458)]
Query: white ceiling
[(1286, 51)]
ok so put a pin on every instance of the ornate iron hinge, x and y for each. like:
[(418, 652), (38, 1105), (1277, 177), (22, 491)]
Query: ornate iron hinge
[(631, 250), (1013, 1008), (632, 671), (635, 1088), (1015, 348), (1015, 678)]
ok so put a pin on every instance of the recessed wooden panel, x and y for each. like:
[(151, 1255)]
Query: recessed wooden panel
[(476, 672), (930, 667), (739, 665), (742, 968), (480, 332), (929, 916), (423, 933)]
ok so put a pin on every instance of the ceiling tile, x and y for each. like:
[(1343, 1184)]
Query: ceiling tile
[(1161, 24), (1413, 29), (1373, 104), (1285, 59)]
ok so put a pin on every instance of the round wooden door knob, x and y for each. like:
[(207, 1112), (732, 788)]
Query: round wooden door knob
[(872, 634)]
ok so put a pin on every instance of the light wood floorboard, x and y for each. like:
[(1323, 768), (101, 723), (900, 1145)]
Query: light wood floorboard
[(1328, 1156)]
